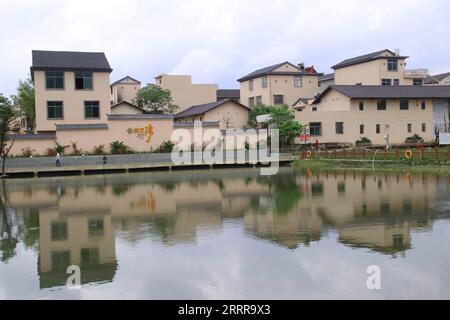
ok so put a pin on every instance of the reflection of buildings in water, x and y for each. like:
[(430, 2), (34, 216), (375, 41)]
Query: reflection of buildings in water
[(85, 239), (289, 209)]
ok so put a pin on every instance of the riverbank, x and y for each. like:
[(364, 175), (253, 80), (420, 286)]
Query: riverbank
[(368, 165), (92, 165)]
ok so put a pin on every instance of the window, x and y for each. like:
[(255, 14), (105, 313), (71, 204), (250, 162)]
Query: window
[(315, 129), (361, 106), (92, 109), (264, 81), (54, 79), (258, 100), (378, 129), (404, 105), (381, 105), (418, 82), (339, 128), (341, 187), (89, 257), (59, 231), (55, 110), (424, 127), (83, 80), (361, 129), (392, 65), (297, 81), (386, 82), (409, 127), (251, 102), (95, 227), (396, 82), (424, 105), (250, 85), (60, 260), (278, 99)]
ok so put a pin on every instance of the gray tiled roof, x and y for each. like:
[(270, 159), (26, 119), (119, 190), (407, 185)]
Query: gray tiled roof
[(365, 58), (390, 92), (192, 124), (441, 76), (326, 77), (69, 60), (228, 94), (270, 70), (38, 136), (201, 109), (81, 126), (139, 116)]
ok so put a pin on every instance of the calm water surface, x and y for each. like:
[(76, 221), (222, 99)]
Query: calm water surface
[(227, 234)]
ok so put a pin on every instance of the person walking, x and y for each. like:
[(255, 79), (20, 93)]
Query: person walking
[(58, 160), (104, 159)]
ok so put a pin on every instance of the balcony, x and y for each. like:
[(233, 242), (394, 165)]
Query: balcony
[(416, 74)]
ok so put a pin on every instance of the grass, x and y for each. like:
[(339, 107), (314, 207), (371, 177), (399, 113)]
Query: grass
[(393, 166)]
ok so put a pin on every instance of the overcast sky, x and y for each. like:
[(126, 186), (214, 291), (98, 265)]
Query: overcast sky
[(219, 41)]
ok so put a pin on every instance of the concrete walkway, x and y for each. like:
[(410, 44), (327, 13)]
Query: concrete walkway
[(45, 166)]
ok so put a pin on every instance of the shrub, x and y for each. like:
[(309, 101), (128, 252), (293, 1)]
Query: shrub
[(51, 152), (27, 152), (166, 147), (118, 147), (99, 150), (75, 150), (414, 139), (60, 148), (364, 141)]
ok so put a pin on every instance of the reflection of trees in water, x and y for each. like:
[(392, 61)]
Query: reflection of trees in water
[(284, 190), (8, 241)]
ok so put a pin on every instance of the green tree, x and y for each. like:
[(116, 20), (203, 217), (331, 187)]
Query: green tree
[(24, 100), (9, 126), (282, 118), (155, 99)]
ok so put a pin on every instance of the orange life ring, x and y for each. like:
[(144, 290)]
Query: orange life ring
[(309, 154), (408, 154)]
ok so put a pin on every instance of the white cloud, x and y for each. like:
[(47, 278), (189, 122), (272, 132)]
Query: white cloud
[(144, 38)]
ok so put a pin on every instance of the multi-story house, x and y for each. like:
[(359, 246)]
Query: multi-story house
[(283, 83), (72, 88), (439, 79), (184, 93), (125, 89), (383, 114), (377, 68)]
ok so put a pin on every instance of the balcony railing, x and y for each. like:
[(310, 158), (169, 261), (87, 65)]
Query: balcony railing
[(416, 74)]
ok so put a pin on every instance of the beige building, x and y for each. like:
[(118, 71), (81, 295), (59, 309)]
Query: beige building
[(377, 68), (283, 83), (439, 79), (229, 113), (348, 113), (125, 89), (186, 94), (70, 88)]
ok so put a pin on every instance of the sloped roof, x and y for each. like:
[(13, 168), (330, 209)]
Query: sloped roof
[(70, 60), (326, 77), (201, 109), (124, 78), (366, 58), (441, 76), (87, 126), (270, 71), (389, 92), (127, 103), (228, 93)]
